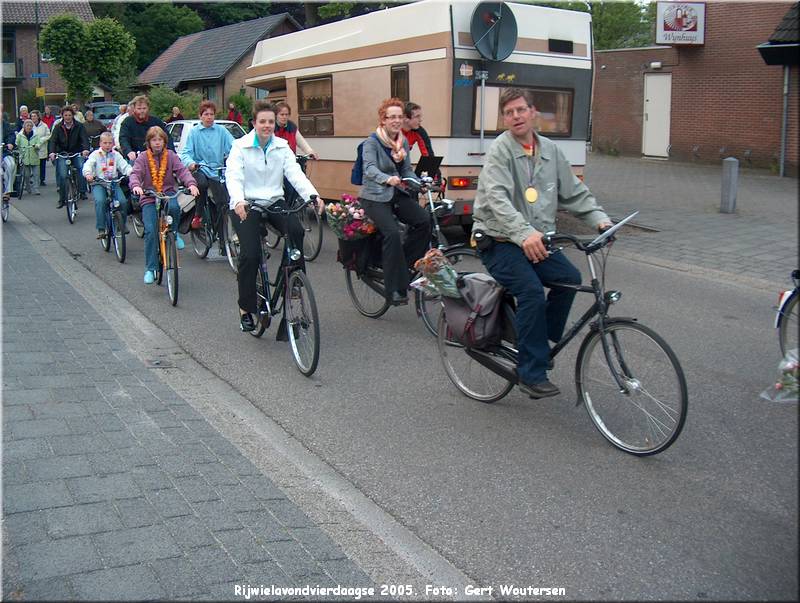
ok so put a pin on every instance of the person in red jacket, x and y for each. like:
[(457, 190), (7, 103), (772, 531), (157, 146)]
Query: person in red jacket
[(233, 114), (413, 130)]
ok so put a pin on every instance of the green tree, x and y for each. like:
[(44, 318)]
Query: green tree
[(163, 98), (219, 14), (156, 26), (86, 53), (243, 103)]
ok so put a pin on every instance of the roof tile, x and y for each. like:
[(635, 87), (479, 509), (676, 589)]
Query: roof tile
[(788, 30), (24, 13)]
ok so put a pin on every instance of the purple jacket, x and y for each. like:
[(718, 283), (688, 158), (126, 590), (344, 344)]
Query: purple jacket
[(140, 176)]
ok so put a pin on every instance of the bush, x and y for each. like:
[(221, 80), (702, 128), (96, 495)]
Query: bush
[(243, 103), (163, 98), (29, 98)]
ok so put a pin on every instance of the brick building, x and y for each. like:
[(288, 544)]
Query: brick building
[(20, 59), (213, 62), (719, 99)]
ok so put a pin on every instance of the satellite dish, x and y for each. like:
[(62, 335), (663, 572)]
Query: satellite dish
[(494, 30)]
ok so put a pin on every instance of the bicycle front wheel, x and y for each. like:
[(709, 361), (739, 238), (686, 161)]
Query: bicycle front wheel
[(647, 416), (4, 210), (120, 245), (72, 201), (789, 325), (366, 294), (429, 307), (312, 224), (171, 269), (105, 242), (302, 322)]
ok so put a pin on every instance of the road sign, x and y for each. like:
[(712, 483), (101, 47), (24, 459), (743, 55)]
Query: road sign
[(39, 75), (40, 92)]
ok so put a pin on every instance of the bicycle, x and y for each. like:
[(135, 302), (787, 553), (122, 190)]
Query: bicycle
[(115, 221), (5, 207), (787, 320), (214, 228), (73, 189), (622, 366), (291, 295), (366, 287), (167, 245), (310, 220)]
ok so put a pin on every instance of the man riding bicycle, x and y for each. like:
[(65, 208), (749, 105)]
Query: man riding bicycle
[(208, 143), (524, 180), (256, 167), (68, 136), (133, 131)]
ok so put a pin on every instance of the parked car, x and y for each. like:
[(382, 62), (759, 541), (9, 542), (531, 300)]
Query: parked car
[(179, 130), (104, 111)]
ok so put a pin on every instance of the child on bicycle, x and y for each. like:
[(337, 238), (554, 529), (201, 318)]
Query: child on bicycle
[(106, 164), (155, 169)]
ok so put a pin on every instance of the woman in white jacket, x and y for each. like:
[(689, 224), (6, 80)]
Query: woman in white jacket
[(256, 167), (41, 130)]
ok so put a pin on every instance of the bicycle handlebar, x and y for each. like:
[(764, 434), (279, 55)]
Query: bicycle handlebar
[(67, 155), (151, 193), (253, 204)]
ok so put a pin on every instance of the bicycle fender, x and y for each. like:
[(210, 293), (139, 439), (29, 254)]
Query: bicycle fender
[(786, 297), (593, 328), (611, 320)]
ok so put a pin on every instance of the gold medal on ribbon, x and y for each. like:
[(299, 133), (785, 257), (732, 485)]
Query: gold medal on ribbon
[(531, 195)]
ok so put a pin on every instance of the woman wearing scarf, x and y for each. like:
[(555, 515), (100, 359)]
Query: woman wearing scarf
[(155, 169), (385, 159)]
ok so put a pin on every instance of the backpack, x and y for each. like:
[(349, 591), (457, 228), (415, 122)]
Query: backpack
[(475, 319), (357, 172)]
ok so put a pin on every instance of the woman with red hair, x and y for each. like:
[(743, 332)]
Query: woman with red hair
[(383, 197)]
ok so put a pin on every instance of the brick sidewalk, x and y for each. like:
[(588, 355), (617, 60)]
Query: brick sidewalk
[(114, 486)]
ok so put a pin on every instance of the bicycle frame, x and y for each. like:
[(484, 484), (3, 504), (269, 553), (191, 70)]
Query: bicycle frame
[(164, 226)]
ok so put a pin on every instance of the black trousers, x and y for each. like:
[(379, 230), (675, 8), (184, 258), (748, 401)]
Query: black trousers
[(398, 257), (219, 194), (249, 232), (42, 170)]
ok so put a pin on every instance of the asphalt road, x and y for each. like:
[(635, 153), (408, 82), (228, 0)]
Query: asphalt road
[(519, 492)]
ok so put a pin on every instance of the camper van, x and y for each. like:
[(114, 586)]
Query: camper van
[(334, 77)]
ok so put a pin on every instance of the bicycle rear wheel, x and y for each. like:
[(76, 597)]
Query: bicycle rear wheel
[(789, 325), (4, 210), (72, 201), (138, 225), (202, 238), (172, 267), (231, 243), (464, 260), (649, 415), (366, 293), (302, 322), (472, 378), (120, 244), (262, 320), (312, 224)]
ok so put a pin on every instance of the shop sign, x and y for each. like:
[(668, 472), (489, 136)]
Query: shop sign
[(680, 23)]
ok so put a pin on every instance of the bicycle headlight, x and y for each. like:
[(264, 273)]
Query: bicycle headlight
[(613, 296), (116, 203), (169, 220), (295, 254)]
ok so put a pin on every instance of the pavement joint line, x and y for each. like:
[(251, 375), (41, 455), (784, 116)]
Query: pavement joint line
[(233, 413)]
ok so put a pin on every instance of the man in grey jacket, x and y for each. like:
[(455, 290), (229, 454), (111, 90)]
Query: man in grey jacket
[(524, 180)]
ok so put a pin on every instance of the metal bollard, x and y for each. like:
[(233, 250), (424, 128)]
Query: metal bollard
[(730, 185)]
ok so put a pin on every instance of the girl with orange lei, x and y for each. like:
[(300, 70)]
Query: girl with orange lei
[(155, 169)]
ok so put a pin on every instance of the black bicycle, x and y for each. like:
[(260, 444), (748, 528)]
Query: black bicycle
[(309, 219), (73, 189), (626, 375), (5, 208), (115, 221), (365, 284), (292, 296), (214, 228)]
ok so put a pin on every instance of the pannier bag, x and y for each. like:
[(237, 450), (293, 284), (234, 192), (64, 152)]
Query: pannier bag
[(475, 319)]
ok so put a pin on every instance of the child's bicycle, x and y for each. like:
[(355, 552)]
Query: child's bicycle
[(626, 375), (115, 221)]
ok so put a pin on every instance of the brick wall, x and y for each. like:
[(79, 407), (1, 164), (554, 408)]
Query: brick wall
[(723, 94), (26, 50)]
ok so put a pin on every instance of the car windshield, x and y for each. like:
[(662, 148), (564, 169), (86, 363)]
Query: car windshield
[(235, 130)]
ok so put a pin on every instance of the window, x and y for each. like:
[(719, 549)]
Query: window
[(399, 82), (234, 128), (554, 109), (315, 110), (175, 133), (9, 48), (209, 93), (261, 94)]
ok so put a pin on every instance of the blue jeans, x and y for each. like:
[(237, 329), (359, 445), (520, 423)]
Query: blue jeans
[(101, 202), (538, 318), (150, 220), (61, 176)]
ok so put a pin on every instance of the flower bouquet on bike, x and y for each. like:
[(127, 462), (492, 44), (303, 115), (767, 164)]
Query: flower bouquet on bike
[(353, 228), (438, 277)]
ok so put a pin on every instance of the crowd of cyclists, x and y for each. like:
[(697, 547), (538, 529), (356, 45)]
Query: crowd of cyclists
[(524, 179)]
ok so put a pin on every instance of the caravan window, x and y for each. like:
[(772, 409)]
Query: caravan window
[(553, 105), (315, 110), (399, 83)]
